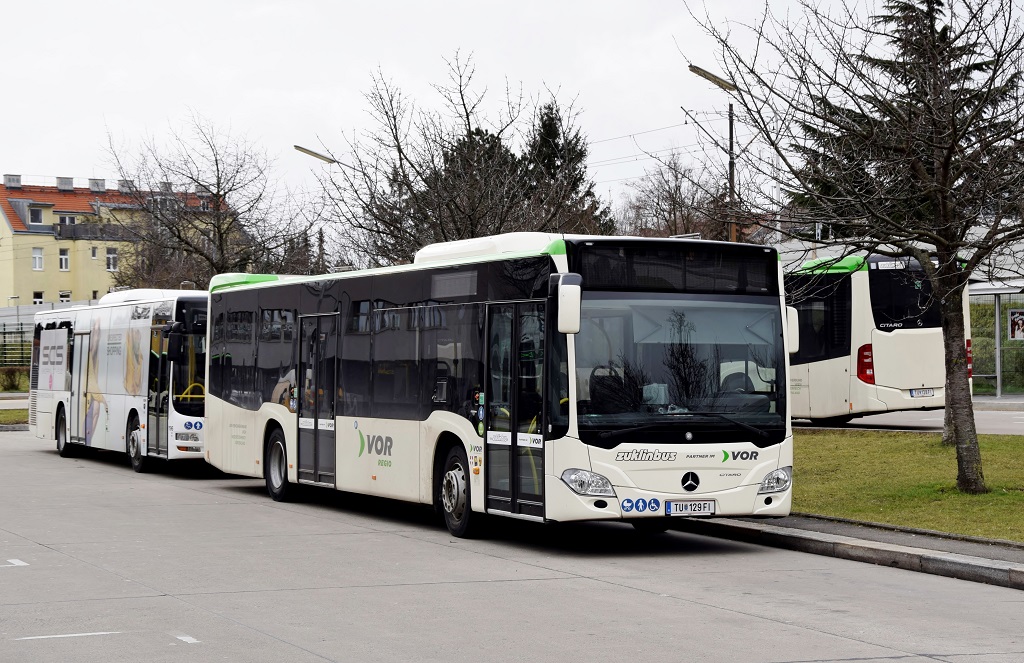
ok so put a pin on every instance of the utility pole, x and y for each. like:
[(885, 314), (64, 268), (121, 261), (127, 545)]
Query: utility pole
[(732, 182)]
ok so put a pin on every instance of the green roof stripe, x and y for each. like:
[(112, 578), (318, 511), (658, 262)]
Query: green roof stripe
[(555, 248), (223, 281), (846, 265)]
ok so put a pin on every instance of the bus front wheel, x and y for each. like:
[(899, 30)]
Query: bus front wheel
[(275, 466), (139, 461), (64, 448), (453, 494)]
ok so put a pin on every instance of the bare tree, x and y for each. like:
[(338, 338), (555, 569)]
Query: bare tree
[(200, 205), (898, 132), (670, 200), (426, 176)]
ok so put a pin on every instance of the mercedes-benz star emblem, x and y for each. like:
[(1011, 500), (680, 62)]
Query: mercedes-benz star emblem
[(690, 481)]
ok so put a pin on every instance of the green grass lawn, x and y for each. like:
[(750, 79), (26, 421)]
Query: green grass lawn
[(909, 479), (13, 416)]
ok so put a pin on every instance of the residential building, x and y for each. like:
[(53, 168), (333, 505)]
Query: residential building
[(58, 242)]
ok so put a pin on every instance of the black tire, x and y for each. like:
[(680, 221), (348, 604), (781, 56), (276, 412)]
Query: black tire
[(649, 526), (65, 448), (133, 442), (453, 494), (275, 467)]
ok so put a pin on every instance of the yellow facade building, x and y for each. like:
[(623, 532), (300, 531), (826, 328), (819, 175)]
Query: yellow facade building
[(58, 243)]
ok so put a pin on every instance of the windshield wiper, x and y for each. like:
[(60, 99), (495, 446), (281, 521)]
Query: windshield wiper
[(723, 417), (623, 431)]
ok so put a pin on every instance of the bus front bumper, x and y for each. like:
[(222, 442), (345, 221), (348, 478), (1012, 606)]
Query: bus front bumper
[(563, 504)]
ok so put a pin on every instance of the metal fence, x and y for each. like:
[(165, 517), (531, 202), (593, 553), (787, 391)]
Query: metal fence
[(984, 328), (15, 344)]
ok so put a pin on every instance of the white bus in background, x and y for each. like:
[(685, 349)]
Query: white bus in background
[(870, 339), (126, 374), (533, 376)]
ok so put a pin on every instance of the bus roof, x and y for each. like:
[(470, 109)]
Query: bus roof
[(459, 252)]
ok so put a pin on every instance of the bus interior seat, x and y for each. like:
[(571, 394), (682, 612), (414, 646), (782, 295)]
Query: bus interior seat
[(738, 382), (607, 394)]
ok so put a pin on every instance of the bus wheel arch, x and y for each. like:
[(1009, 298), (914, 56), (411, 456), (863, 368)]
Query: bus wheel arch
[(133, 442), (275, 462)]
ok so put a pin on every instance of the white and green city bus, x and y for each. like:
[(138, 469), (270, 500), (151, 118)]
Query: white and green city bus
[(529, 375), (126, 374), (870, 339)]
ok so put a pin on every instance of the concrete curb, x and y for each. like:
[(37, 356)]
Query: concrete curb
[(952, 565), (999, 406), (13, 427)]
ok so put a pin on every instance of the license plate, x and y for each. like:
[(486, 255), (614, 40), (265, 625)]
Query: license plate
[(691, 508), (920, 393)]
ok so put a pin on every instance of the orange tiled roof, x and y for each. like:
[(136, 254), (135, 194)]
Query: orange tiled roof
[(77, 200)]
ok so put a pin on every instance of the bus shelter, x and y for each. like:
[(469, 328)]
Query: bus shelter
[(997, 333)]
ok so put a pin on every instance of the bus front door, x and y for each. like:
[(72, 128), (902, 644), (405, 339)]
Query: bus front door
[(159, 394), (79, 384), (514, 453), (318, 352)]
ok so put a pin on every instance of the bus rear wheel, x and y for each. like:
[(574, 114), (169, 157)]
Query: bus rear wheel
[(453, 494), (64, 448), (140, 463), (275, 467)]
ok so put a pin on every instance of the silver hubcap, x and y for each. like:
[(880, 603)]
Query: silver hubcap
[(60, 435), (453, 492), (277, 465), (134, 446)]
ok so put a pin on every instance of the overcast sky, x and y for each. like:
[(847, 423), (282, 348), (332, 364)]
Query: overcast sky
[(283, 72)]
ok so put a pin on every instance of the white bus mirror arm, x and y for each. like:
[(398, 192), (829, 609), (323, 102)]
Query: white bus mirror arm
[(792, 330)]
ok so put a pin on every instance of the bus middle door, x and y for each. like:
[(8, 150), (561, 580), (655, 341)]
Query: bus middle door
[(514, 442), (318, 352), (77, 418)]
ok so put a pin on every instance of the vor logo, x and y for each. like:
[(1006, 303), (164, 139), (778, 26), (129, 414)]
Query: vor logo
[(739, 455), (379, 445)]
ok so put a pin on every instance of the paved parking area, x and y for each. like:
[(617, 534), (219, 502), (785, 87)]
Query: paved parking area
[(98, 563)]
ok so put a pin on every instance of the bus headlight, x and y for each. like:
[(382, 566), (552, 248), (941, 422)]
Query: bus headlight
[(777, 481), (584, 482), (186, 437)]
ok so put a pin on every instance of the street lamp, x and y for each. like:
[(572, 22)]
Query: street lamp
[(316, 155), (728, 87)]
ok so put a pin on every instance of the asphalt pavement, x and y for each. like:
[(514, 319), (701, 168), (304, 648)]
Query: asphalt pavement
[(974, 559)]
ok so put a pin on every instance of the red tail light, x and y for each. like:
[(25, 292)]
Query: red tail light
[(970, 361), (866, 364)]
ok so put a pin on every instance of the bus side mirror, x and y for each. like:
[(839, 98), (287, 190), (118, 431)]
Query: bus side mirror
[(176, 347), (569, 298), (793, 329)]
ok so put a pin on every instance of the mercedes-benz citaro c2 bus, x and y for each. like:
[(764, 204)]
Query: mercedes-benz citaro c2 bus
[(871, 339), (126, 374), (528, 375)]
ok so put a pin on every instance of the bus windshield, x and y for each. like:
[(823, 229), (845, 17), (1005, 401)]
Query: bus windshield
[(902, 299), (188, 377), (662, 361)]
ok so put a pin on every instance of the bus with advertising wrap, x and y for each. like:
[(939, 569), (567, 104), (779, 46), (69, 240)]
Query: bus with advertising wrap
[(870, 339), (127, 374), (528, 375)]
